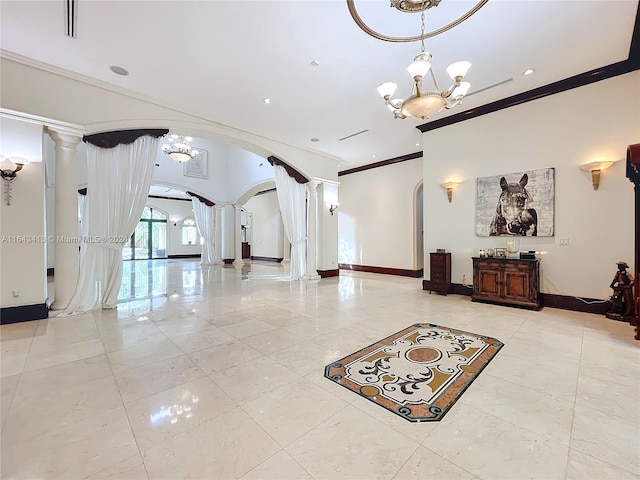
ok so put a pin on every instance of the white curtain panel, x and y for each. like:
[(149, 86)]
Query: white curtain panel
[(83, 213), (118, 184), (291, 197), (206, 223)]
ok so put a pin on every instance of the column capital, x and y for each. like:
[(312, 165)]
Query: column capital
[(63, 138), (312, 185)]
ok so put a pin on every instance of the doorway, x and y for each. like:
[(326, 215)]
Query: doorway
[(149, 239)]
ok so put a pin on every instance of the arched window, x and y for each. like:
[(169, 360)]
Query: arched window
[(189, 232)]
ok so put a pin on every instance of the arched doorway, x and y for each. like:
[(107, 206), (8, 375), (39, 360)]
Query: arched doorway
[(149, 239)]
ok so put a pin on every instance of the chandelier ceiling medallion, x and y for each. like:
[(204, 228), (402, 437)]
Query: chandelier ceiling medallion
[(179, 148), (421, 103)]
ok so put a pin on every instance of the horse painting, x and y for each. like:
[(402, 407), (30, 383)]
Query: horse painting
[(512, 215)]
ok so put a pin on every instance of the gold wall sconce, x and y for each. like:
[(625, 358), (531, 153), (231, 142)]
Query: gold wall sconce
[(595, 168), (9, 168), (450, 187), (333, 207)]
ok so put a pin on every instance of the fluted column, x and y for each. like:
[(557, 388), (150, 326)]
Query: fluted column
[(238, 239), (67, 261), (312, 232), (219, 227)]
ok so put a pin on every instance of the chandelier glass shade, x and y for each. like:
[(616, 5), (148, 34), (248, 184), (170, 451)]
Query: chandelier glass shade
[(179, 148), (422, 103)]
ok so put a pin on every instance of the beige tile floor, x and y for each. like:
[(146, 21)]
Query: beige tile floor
[(222, 378)]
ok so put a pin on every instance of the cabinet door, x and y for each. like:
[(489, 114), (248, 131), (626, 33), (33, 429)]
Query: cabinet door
[(516, 285), (489, 282)]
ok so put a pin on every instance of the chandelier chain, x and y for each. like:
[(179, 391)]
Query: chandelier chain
[(422, 27)]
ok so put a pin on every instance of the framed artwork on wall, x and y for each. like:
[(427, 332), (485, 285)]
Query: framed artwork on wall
[(516, 204), (197, 166)]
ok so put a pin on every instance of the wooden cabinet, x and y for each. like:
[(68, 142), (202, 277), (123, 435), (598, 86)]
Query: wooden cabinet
[(440, 266), (508, 281)]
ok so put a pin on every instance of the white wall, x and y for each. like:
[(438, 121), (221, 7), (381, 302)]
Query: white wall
[(266, 228), (376, 216), (595, 122), (177, 211), (23, 265)]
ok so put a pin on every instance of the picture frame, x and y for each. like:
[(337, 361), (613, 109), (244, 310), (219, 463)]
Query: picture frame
[(516, 204), (197, 167), (500, 252)]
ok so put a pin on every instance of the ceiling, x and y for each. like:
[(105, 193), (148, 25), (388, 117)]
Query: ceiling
[(219, 60)]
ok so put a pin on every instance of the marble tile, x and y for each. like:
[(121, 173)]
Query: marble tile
[(417, 432), (140, 355), (428, 465), (251, 380), (248, 328), (584, 467), (352, 445), (73, 450), (490, 447), (65, 374), (130, 469), (306, 357), (293, 409), (64, 354), (14, 355), (18, 331), (8, 386), (279, 467), (532, 409), (223, 357), (610, 397), (136, 383), (606, 437), (272, 340), (163, 415), (193, 342), (141, 334), (227, 446)]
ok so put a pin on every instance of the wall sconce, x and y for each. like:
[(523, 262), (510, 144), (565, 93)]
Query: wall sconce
[(9, 169), (333, 207), (595, 168), (449, 187)]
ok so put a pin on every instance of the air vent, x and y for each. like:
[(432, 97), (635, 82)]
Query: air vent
[(490, 87), (352, 135), (71, 17)]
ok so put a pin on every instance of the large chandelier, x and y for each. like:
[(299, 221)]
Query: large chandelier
[(426, 103), (421, 103), (179, 148)]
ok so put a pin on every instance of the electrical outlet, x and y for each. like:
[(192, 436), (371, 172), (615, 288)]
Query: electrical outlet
[(564, 242)]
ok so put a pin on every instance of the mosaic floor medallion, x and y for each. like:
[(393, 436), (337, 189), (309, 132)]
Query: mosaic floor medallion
[(417, 373)]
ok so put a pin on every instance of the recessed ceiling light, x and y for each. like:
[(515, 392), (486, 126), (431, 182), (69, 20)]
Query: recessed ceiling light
[(267, 100), (529, 71), (315, 63), (118, 70), (373, 156), (315, 139), (418, 144)]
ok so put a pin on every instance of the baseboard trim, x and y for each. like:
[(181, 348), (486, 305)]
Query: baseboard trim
[(551, 300), (576, 304), (228, 261), (49, 272), (383, 270), (267, 259), (23, 313), (188, 255), (456, 288), (329, 273)]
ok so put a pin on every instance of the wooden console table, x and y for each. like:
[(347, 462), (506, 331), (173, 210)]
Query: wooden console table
[(508, 281)]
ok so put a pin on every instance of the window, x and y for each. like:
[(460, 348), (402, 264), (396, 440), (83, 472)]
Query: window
[(189, 232)]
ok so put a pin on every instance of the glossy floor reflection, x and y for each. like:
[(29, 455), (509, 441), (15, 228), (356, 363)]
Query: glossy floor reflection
[(217, 373)]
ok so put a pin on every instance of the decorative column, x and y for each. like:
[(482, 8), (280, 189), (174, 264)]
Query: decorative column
[(218, 214), (67, 261), (312, 232), (286, 248), (238, 239)]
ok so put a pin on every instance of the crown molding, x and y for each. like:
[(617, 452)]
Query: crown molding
[(55, 125)]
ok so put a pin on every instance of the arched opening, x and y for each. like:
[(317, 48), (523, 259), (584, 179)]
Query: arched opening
[(149, 239)]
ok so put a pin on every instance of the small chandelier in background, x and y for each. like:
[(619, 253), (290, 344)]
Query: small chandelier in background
[(179, 148), (426, 103)]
